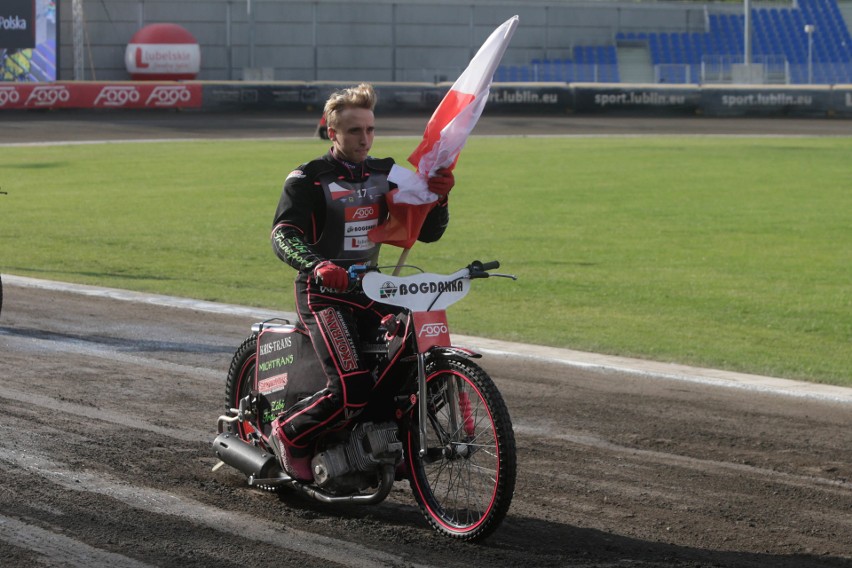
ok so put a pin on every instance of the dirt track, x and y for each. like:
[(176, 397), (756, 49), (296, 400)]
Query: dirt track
[(110, 407)]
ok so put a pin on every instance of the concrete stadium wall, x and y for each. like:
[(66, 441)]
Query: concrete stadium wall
[(384, 40)]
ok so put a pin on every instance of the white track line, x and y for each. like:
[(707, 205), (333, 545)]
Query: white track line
[(536, 353)]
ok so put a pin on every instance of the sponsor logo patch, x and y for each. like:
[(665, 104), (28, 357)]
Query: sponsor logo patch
[(362, 213), (360, 229), (387, 290), (431, 287), (433, 329), (358, 243), (341, 340), (272, 384), (275, 345)]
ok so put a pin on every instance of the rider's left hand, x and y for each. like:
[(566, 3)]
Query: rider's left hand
[(441, 183)]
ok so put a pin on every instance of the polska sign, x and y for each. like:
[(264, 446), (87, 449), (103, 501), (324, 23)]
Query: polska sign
[(17, 24), (99, 95)]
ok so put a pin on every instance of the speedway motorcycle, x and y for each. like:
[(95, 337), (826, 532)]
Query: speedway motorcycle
[(435, 418)]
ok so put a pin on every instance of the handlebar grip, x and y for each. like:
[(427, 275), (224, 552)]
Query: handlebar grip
[(479, 269)]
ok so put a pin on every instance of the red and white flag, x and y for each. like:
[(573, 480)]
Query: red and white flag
[(454, 119), (445, 136)]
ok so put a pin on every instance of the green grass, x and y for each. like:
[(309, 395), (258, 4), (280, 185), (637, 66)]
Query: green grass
[(733, 253)]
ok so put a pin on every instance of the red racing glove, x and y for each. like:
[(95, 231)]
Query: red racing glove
[(442, 183), (331, 276)]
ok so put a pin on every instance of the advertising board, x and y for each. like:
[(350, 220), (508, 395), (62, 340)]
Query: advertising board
[(29, 32), (118, 95)]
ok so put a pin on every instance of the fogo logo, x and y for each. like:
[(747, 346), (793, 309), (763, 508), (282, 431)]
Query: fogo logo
[(48, 96), (363, 213), (115, 96), (168, 96), (9, 95), (433, 330)]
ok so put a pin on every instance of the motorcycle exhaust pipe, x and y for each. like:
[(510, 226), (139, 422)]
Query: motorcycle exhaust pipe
[(251, 460)]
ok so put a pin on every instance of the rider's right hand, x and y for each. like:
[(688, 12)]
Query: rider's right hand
[(331, 276)]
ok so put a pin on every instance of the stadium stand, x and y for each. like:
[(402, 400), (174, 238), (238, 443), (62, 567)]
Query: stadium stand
[(781, 48), (596, 64)]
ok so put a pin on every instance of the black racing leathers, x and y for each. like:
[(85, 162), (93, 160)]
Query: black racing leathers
[(326, 209), (301, 235)]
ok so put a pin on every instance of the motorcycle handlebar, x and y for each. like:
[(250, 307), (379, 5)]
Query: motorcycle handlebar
[(476, 269)]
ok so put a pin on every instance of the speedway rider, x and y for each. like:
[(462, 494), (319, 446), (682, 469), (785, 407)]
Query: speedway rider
[(326, 208)]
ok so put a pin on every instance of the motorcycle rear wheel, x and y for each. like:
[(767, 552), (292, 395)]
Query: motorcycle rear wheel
[(465, 481), (240, 383)]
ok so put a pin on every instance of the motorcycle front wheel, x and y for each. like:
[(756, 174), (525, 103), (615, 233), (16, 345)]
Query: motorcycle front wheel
[(464, 478)]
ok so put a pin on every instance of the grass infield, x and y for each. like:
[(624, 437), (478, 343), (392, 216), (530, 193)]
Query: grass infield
[(724, 252)]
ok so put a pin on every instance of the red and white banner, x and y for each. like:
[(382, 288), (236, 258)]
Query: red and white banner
[(445, 136), (99, 95)]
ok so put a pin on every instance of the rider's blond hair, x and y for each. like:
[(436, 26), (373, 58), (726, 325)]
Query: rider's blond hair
[(362, 96)]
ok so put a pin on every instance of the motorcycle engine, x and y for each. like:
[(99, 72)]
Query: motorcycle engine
[(351, 465)]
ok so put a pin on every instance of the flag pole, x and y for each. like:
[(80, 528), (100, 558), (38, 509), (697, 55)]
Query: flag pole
[(401, 262)]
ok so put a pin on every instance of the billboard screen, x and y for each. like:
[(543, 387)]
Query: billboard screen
[(29, 32)]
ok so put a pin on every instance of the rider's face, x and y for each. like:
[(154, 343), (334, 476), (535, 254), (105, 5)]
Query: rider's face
[(353, 136)]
